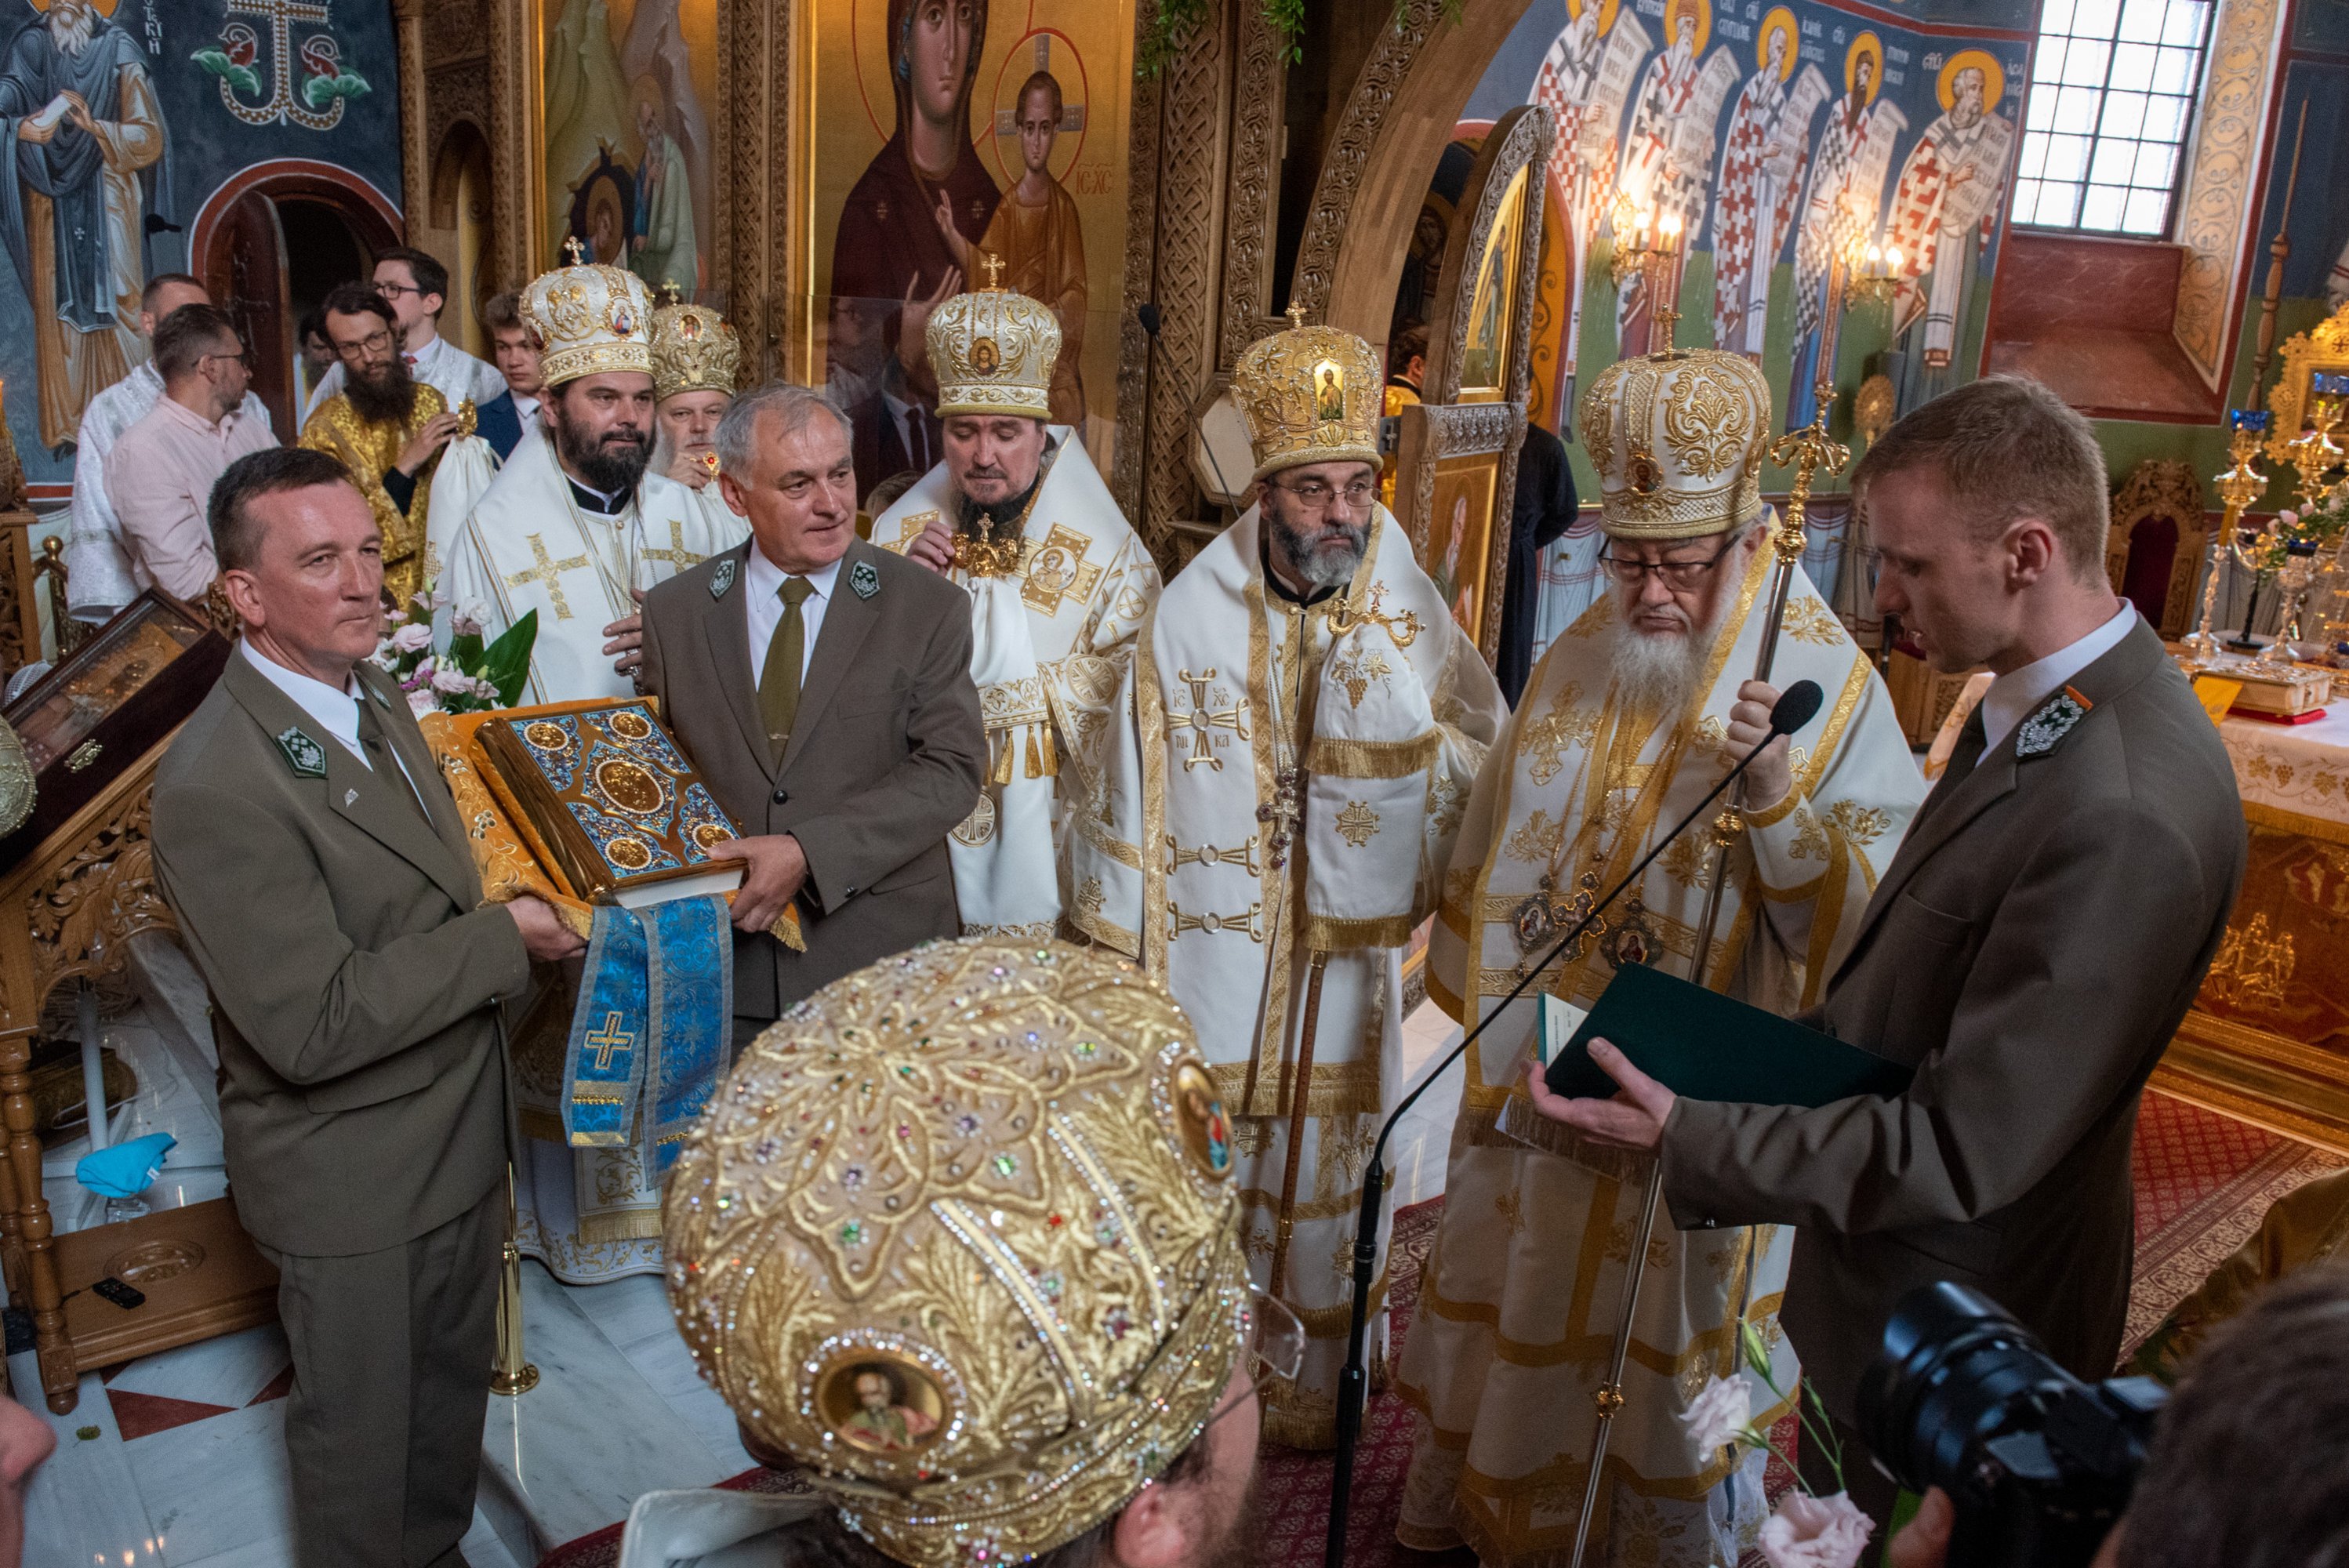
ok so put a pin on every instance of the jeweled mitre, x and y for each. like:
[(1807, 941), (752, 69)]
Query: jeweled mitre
[(960, 1234), (693, 351), (1310, 395), (1678, 440), (589, 319), (993, 353)]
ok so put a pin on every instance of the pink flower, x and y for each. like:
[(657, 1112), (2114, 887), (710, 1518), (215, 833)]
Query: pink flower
[(465, 622), (1815, 1531), (421, 702), (486, 690), (1720, 1414), (412, 638), (449, 678)]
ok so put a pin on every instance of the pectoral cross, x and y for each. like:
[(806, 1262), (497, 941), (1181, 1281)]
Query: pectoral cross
[(545, 569), (994, 265), (1281, 814), (1203, 721), (574, 252), (609, 1038)]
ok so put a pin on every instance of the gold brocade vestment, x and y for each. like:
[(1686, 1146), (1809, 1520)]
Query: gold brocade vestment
[(368, 451)]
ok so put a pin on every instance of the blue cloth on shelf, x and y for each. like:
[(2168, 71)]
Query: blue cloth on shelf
[(126, 1170)]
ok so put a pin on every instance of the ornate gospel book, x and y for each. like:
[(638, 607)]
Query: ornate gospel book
[(606, 799)]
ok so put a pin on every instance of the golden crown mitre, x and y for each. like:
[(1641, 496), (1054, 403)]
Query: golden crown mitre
[(589, 318), (1678, 440), (1310, 395), (694, 350), (960, 1234), (993, 352)]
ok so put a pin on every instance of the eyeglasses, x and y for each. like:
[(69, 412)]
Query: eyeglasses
[(243, 357), (1629, 570), (393, 291), (373, 343), (1315, 495), (1276, 1347)]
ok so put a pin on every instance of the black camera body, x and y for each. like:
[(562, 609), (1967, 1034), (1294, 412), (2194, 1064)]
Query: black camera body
[(2039, 1464)]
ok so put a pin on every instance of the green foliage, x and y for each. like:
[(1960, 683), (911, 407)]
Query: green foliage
[(319, 91), (505, 664), (240, 77)]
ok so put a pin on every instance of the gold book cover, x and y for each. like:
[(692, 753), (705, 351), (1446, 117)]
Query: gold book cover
[(609, 800)]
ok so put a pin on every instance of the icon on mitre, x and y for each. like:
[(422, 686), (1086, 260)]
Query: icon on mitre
[(1328, 393)]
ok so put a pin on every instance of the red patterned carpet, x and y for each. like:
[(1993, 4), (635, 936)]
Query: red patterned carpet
[(2202, 1183)]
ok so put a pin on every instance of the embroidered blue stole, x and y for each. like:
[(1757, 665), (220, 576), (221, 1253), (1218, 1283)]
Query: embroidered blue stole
[(649, 1038)]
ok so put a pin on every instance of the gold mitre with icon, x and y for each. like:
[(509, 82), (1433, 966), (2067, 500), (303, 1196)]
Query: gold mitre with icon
[(1678, 440), (960, 1234), (1309, 395), (589, 319), (694, 350), (993, 351)]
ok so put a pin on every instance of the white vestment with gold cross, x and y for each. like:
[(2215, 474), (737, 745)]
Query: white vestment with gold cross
[(529, 545), (589, 1214), (1051, 641), (1385, 708), (1516, 1316)]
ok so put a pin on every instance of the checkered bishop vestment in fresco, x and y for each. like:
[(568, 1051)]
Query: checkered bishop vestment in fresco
[(1739, 252)]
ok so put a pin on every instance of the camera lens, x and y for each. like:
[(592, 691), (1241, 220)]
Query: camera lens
[(1956, 1372)]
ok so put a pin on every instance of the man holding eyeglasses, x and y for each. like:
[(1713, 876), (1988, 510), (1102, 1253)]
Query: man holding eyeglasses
[(1632, 716), (415, 286), (159, 474), (1282, 779), (386, 427)]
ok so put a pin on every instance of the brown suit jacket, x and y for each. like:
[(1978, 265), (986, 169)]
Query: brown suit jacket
[(353, 975), (2030, 950), (883, 760)]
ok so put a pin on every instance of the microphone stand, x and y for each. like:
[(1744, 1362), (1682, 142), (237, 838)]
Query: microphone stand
[(1352, 1383)]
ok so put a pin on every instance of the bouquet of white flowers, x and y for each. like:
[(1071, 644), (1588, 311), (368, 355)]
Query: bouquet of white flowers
[(1806, 1530), (466, 676)]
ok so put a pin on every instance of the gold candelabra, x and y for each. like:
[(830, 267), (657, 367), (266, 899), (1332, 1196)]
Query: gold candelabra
[(1874, 272), (2293, 577), (2314, 453), (2238, 487), (1648, 246)]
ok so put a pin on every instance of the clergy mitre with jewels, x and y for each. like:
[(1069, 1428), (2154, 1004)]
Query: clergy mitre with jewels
[(1310, 395), (693, 351), (961, 1235), (1678, 440), (589, 319), (993, 353)]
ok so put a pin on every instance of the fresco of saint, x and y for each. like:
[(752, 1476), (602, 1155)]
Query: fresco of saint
[(1949, 186)]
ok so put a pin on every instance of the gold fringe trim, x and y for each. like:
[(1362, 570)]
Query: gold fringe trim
[(1340, 1088), (621, 1225), (1334, 759), (1520, 1122), (1327, 933)]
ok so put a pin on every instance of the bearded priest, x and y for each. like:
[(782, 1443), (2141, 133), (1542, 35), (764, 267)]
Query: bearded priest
[(574, 526), (1059, 585), (1630, 718), (1289, 758)]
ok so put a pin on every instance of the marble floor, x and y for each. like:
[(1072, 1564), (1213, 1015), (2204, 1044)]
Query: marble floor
[(178, 1459)]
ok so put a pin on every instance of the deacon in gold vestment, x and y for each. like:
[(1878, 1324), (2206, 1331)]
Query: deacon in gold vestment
[(385, 427), (1059, 585), (1628, 719), (1287, 767)]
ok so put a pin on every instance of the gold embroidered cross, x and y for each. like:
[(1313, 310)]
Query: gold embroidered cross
[(1202, 720), (994, 265), (1566, 723), (609, 1038), (545, 569), (677, 554), (1345, 614), (1060, 570)]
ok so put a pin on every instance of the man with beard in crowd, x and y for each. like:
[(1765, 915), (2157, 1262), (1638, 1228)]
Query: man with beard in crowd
[(415, 286), (385, 427), (576, 529)]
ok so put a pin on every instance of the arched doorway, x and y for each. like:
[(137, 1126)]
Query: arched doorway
[(460, 214), (270, 243)]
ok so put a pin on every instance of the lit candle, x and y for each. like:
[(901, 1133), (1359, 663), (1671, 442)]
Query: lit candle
[(1669, 231), (1891, 260)]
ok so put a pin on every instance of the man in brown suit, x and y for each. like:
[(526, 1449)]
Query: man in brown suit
[(822, 688), (320, 874), (2031, 948)]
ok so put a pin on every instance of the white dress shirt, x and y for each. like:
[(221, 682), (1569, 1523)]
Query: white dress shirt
[(337, 712), (764, 609), (2012, 697), (441, 364)]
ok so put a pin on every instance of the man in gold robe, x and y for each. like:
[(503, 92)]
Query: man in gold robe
[(386, 429), (1284, 774), (1627, 721)]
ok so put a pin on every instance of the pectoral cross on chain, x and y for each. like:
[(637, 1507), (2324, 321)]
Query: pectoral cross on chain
[(544, 568), (609, 1038), (1202, 720), (1280, 816)]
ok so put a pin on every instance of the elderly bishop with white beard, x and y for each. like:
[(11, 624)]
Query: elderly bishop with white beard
[(1289, 762), (1633, 715)]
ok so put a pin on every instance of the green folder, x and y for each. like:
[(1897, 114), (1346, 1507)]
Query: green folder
[(1703, 1045)]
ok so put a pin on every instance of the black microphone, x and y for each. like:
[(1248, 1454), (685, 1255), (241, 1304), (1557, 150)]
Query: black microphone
[(1147, 313), (1795, 707)]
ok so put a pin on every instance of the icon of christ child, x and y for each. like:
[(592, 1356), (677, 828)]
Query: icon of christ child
[(1038, 233), (882, 1422)]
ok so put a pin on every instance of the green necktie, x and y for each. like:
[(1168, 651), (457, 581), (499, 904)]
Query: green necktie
[(779, 681)]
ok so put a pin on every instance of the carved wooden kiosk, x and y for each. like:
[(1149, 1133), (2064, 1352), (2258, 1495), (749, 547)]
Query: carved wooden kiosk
[(78, 884)]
